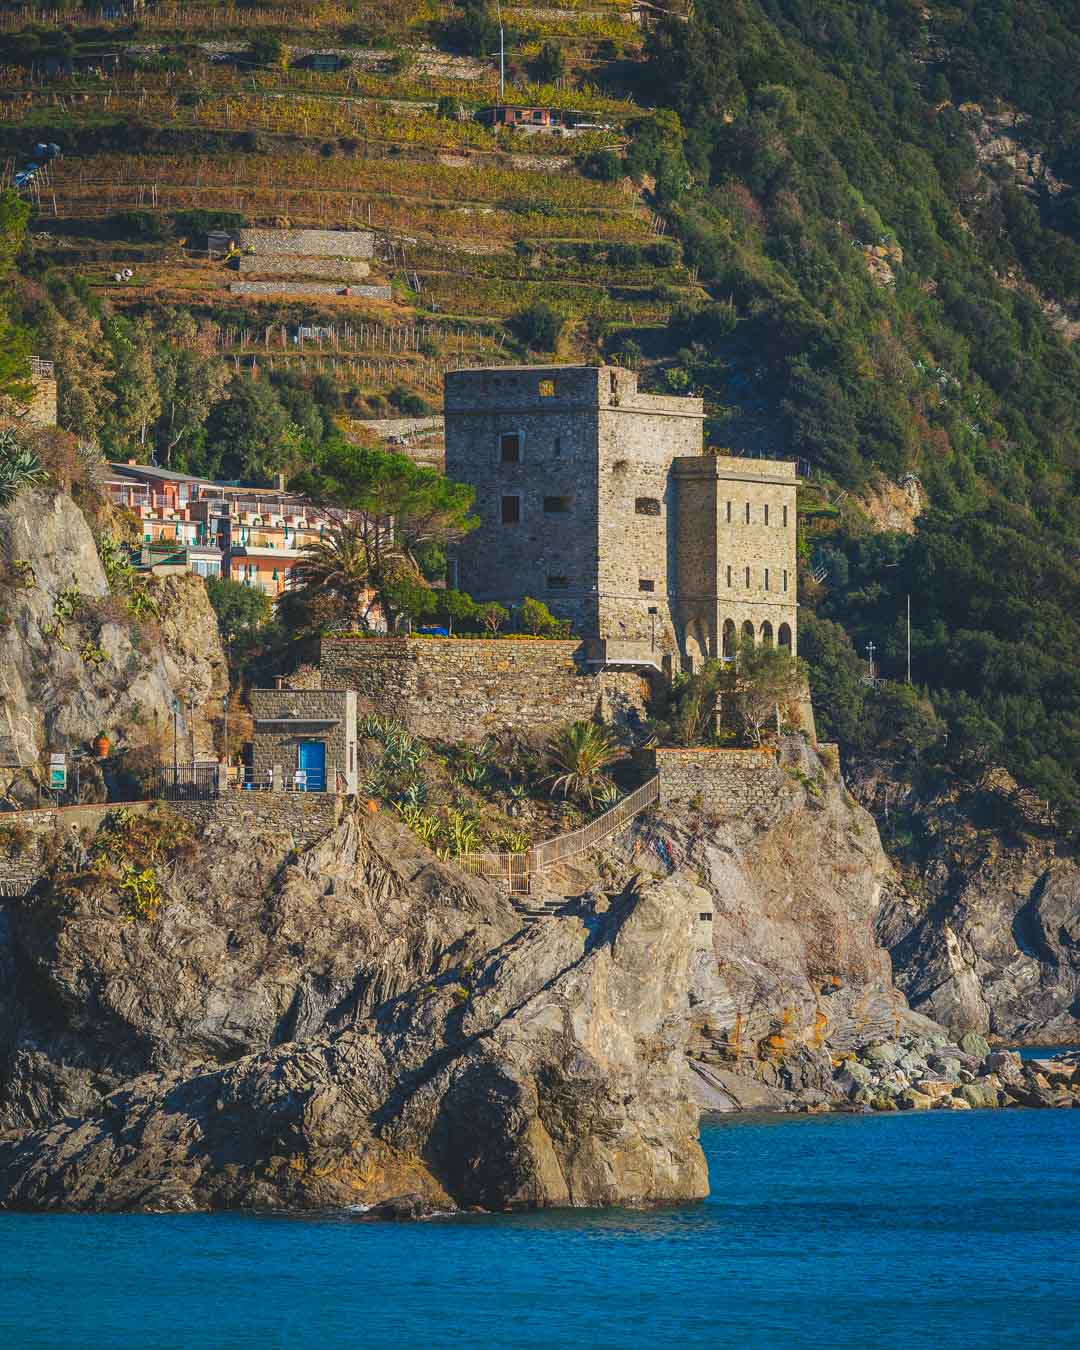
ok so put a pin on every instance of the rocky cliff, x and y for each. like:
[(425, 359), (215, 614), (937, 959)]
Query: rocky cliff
[(984, 929), (351, 1021), (74, 662)]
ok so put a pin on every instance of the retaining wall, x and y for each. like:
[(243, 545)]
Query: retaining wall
[(333, 269), (308, 288), (307, 816), (460, 689), (729, 782), (312, 243), (18, 875)]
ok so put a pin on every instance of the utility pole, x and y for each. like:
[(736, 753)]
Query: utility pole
[(175, 740), (870, 655)]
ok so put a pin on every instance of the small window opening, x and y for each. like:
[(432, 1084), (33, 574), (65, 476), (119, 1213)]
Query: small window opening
[(646, 584), (556, 506), (748, 513), (558, 446), (729, 513), (646, 506), (785, 578), (511, 510), (729, 574), (705, 918), (748, 576), (547, 388), (785, 515), (766, 515), (766, 578), (558, 583), (510, 447)]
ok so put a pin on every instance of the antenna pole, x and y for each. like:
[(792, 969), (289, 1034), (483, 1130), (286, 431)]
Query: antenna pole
[(502, 56)]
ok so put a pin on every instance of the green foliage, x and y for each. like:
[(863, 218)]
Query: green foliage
[(539, 326), (20, 468), (535, 617), (146, 226), (603, 165), (474, 28), (240, 610), (128, 849), (267, 48), (549, 64), (577, 757)]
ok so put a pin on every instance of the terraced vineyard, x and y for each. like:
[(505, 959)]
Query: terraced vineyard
[(364, 116)]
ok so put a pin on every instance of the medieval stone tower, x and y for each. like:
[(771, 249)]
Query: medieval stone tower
[(598, 500)]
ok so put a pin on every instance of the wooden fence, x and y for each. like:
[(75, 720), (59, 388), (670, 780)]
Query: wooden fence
[(517, 868)]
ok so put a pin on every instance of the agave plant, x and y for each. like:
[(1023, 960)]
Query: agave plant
[(19, 468), (607, 796), (474, 775), (462, 832), (415, 794), (577, 757)]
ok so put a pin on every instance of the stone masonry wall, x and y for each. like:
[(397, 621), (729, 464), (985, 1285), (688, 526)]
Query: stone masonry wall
[(730, 782), (311, 243), (460, 689), (306, 816), (275, 742), (18, 874), (330, 269), (308, 288)]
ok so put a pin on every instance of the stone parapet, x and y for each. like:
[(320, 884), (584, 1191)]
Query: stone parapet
[(460, 689), (729, 782), (311, 243), (308, 288), (332, 269), (306, 816)]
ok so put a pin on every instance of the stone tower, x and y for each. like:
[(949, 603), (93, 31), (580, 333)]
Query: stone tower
[(598, 500)]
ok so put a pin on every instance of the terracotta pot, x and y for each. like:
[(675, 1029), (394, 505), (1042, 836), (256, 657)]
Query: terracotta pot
[(101, 747), (372, 805)]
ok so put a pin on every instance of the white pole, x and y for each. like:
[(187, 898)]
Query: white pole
[(909, 638), (502, 56)]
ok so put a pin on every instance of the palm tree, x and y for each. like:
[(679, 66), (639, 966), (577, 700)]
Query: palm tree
[(577, 756), (338, 565)]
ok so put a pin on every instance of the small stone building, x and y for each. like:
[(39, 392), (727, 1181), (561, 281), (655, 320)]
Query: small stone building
[(305, 739), (599, 500)]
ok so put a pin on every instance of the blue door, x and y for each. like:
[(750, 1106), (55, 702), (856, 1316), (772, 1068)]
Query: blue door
[(312, 765)]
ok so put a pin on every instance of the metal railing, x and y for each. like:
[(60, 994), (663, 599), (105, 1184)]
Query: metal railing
[(185, 783), (517, 868)]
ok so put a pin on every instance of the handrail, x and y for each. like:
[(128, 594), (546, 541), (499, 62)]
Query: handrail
[(516, 868)]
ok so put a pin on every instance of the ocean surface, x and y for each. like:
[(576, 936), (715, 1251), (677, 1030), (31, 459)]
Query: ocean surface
[(931, 1229)]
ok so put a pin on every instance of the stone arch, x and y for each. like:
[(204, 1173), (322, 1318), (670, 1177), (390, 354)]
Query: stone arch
[(728, 648), (783, 637), (748, 630), (766, 634), (696, 648)]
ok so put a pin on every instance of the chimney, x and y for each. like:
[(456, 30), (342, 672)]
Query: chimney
[(281, 482), (133, 461), (279, 681)]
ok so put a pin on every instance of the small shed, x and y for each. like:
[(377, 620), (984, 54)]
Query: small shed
[(305, 739)]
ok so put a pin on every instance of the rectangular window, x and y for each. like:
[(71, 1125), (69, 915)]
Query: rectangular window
[(748, 513), (646, 506), (785, 578), (766, 578), (558, 583), (510, 447), (729, 513), (558, 446), (547, 388), (748, 576), (646, 584), (785, 515), (511, 510), (556, 506), (729, 574), (766, 514)]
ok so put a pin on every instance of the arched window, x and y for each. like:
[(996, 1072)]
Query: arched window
[(748, 630), (728, 648), (766, 633), (784, 636)]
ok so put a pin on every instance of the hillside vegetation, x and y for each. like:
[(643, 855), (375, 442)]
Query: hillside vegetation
[(855, 228)]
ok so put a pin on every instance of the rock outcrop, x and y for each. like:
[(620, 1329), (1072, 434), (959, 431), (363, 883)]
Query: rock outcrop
[(984, 934), (73, 664), (437, 1048)]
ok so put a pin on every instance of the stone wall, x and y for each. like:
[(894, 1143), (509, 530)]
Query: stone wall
[(332, 269), (19, 873), (729, 782), (306, 816), (460, 689), (308, 288), (311, 243)]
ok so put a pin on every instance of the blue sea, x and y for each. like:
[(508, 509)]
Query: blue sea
[(930, 1229)]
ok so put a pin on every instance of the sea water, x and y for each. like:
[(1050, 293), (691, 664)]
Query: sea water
[(925, 1229)]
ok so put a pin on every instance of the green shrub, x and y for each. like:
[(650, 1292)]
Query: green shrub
[(539, 326)]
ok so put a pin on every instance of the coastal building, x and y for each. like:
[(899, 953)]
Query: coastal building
[(40, 411), (600, 500)]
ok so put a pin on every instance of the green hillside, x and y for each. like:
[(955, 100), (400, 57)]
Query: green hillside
[(854, 227)]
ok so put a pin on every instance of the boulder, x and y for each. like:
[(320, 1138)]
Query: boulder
[(1006, 1064), (973, 1044), (979, 1095), (411, 1206), (910, 1100), (934, 1087)]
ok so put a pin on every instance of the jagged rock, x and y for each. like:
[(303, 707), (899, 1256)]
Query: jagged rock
[(979, 1094), (910, 1100), (974, 1045)]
